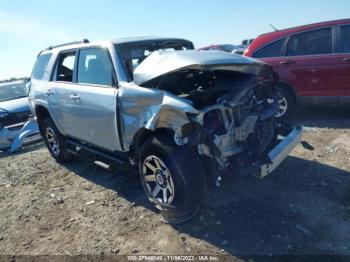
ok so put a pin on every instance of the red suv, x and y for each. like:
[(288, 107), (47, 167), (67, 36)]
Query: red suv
[(313, 62)]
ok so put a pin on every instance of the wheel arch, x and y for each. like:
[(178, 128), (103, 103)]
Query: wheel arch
[(287, 86), (143, 134), (41, 113)]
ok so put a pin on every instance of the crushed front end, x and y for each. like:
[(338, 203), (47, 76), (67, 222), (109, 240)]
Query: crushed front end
[(240, 134), (233, 125)]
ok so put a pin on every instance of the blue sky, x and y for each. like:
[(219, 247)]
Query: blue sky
[(26, 27)]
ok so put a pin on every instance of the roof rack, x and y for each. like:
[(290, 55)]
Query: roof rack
[(84, 41)]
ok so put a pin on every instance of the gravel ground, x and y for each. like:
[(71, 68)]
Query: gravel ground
[(79, 208)]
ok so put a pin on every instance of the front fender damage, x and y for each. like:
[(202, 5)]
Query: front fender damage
[(150, 109), (153, 109)]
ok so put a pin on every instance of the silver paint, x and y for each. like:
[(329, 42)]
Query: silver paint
[(150, 109), (164, 62)]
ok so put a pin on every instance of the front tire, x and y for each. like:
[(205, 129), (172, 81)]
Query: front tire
[(287, 103), (172, 178), (55, 141)]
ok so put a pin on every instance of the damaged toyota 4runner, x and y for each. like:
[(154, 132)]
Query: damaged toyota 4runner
[(184, 118)]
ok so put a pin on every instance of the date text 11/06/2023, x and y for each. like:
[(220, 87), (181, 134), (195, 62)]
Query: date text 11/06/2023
[(173, 258)]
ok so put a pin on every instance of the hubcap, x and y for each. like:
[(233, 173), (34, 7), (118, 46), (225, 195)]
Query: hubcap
[(158, 180), (52, 141), (282, 105)]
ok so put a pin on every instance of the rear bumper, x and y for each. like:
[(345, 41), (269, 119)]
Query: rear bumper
[(281, 151)]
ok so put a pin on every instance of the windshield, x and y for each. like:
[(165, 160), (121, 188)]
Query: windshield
[(132, 54), (10, 91)]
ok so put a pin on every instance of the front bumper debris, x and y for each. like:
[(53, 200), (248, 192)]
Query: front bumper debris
[(281, 151), (13, 137)]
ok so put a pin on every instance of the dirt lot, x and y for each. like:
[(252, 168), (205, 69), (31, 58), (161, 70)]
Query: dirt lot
[(303, 208)]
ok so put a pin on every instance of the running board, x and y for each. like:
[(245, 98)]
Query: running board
[(102, 164), (111, 157)]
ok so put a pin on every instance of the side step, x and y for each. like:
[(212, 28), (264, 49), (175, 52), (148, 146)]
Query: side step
[(102, 164), (109, 156)]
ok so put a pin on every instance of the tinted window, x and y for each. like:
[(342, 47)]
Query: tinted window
[(95, 67), (65, 67), (345, 32), (315, 42), (272, 50), (40, 66)]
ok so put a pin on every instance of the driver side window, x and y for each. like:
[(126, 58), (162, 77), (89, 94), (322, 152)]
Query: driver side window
[(95, 67)]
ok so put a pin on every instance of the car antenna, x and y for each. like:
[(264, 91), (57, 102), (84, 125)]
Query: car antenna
[(274, 28)]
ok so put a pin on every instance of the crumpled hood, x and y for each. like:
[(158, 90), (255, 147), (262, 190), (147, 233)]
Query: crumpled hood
[(164, 62), (15, 105)]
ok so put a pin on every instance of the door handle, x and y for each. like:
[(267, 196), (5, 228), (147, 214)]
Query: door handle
[(49, 92), (74, 97), (346, 59), (287, 62)]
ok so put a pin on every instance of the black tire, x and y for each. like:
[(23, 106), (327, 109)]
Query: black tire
[(51, 135), (187, 179), (286, 99)]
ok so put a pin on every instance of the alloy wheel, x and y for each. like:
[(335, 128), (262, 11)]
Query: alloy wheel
[(52, 141), (282, 106), (157, 178)]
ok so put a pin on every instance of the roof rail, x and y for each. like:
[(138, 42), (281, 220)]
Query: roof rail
[(84, 41)]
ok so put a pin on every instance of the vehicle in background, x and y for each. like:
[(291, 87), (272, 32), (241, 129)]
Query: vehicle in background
[(247, 42), (16, 127), (313, 62), (240, 49), (159, 105), (233, 49)]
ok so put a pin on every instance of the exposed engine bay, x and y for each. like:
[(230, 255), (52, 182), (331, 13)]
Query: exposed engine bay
[(237, 124), (222, 104)]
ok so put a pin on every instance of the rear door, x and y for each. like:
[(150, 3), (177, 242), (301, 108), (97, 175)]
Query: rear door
[(306, 61), (344, 63), (88, 103), (312, 65), (57, 89)]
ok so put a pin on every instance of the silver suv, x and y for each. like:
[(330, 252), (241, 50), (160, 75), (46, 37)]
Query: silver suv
[(184, 118)]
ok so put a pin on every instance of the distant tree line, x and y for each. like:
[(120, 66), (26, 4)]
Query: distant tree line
[(12, 79)]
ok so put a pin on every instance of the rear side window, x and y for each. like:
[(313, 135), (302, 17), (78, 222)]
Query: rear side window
[(316, 42), (40, 66), (271, 50), (345, 38), (95, 67), (65, 67)]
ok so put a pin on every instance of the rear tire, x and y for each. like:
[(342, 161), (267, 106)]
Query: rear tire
[(287, 103), (172, 178), (55, 141)]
